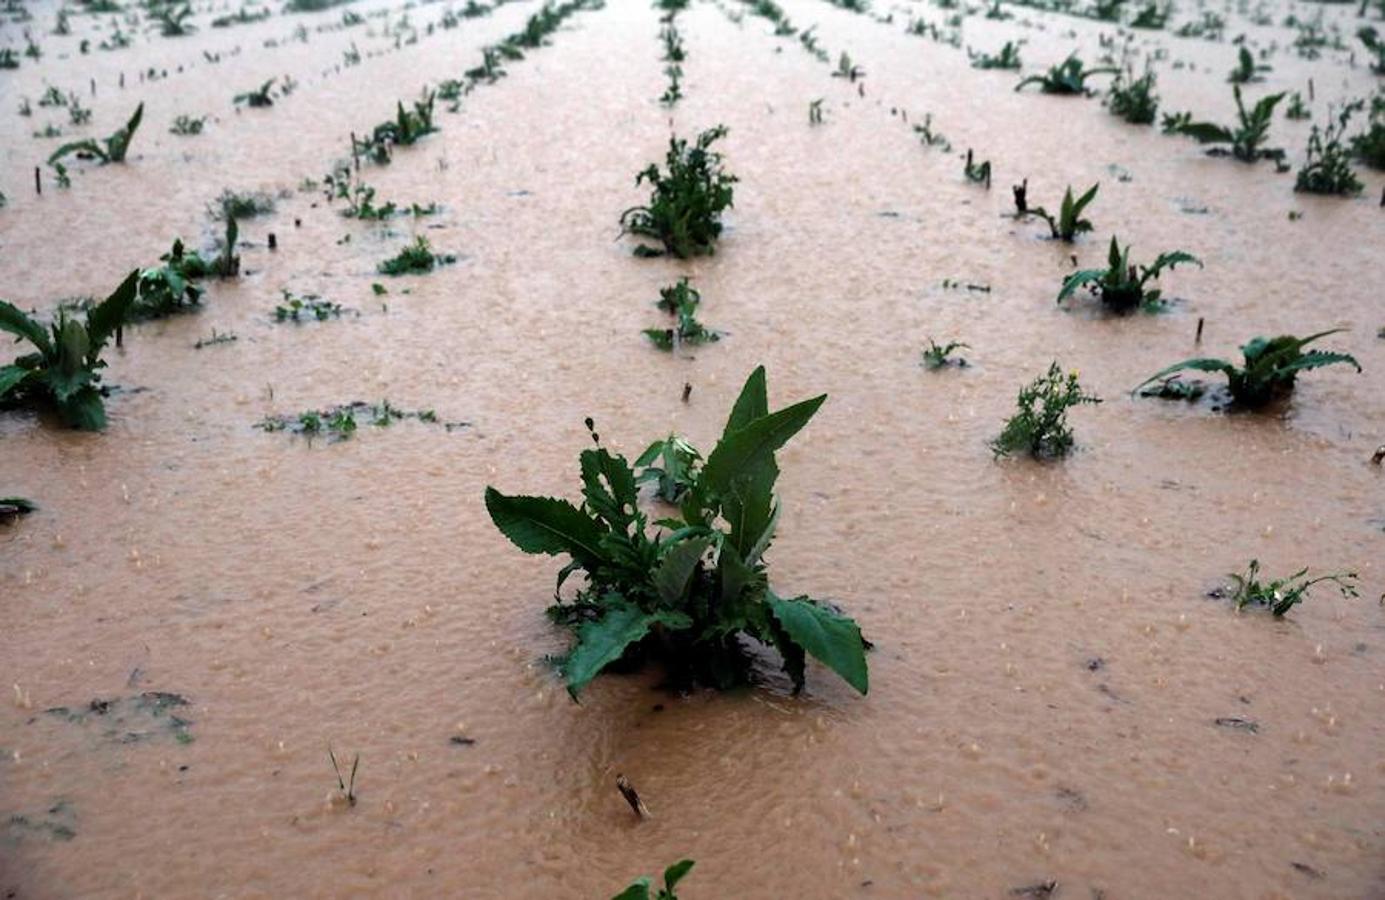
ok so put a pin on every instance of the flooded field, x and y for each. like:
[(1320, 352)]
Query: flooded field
[(1063, 699)]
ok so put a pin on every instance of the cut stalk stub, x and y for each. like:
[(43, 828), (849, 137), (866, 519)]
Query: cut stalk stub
[(627, 790)]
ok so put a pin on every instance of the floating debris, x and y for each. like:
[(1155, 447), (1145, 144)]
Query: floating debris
[(132, 720), (1238, 723)]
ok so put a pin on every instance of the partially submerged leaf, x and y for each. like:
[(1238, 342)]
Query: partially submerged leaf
[(834, 640)]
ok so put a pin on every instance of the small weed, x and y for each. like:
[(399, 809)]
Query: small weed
[(1121, 285), (1069, 223), (109, 150), (416, 258), (674, 92), (347, 789), (1244, 138), (684, 211), (225, 337), (977, 173), (1067, 77), (1371, 38), (187, 126), (847, 69), (1369, 145), (240, 205), (339, 422), (815, 111), (681, 300), (405, 130), (1283, 594), (1297, 109), (1152, 16), (938, 356), (1246, 70), (1326, 167), (1007, 58), (929, 137), (1040, 427), (1271, 367), (260, 97), (640, 888), (12, 508), (242, 16), (296, 309), (1133, 99), (359, 197), (173, 20)]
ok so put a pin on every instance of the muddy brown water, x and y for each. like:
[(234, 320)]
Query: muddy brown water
[(1048, 671)]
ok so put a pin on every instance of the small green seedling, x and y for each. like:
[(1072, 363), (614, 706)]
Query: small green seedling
[(684, 211), (1246, 69), (188, 126), (1244, 138), (259, 97), (1283, 594), (977, 173), (847, 69), (415, 258), (938, 356), (1007, 58), (815, 111), (681, 300), (1039, 427), (408, 126), (678, 467), (1133, 99), (1121, 285), (1270, 370), (686, 592), (65, 369), (1152, 16), (1069, 223), (347, 789), (1067, 77), (1326, 163), (1297, 109), (296, 309), (109, 150), (640, 889), (173, 20)]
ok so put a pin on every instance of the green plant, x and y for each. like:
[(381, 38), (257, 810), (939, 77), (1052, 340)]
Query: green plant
[(109, 150), (640, 889), (240, 205), (1039, 426), (681, 300), (1245, 137), (1246, 69), (65, 369), (417, 257), (684, 211), (293, 308), (685, 594), (929, 137), (173, 20), (937, 356), (261, 96), (1371, 38), (408, 126), (359, 197), (13, 507), (8, 58), (674, 92), (1369, 145), (679, 463), (1133, 99), (168, 289), (1271, 367), (187, 126), (815, 111), (847, 69), (1121, 285), (1326, 162), (1067, 77), (1007, 58), (978, 173), (1283, 594), (1297, 109), (1069, 223), (1152, 16)]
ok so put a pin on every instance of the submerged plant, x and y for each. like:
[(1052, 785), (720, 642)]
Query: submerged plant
[(1371, 38), (65, 368), (1369, 145), (938, 356), (415, 258), (109, 150), (1283, 594), (1133, 99), (261, 96), (13, 507), (1007, 58), (1271, 367), (1069, 223), (977, 173), (684, 211), (1246, 70), (640, 889), (406, 128), (187, 126), (240, 205), (1121, 285), (296, 309), (1039, 426), (1067, 77), (1245, 137), (681, 300), (686, 593), (1326, 163)]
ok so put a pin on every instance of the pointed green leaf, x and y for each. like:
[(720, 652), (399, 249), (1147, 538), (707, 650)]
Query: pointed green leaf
[(674, 873), (1201, 364), (83, 410), (752, 404), (676, 570), (10, 378), (111, 313), (605, 640), (545, 525), (834, 640), (1077, 279), (14, 320), (745, 451), (638, 890)]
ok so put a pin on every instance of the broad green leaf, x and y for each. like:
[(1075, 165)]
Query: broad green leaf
[(10, 378), (605, 640), (676, 570), (1205, 132), (545, 525), (834, 640), (1077, 279), (745, 450), (1201, 364), (674, 873), (1316, 359), (13, 320), (639, 890), (1169, 261), (609, 486), (83, 410), (752, 404), (112, 312)]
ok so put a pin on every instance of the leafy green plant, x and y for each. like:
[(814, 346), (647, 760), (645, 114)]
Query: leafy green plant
[(1069, 223), (1121, 285), (1133, 99), (109, 150), (169, 289), (261, 96), (416, 258), (677, 469), (1246, 69), (339, 422), (240, 205), (187, 126), (1007, 58), (407, 127), (640, 889), (847, 69), (1371, 38), (1326, 162), (1369, 145), (173, 20), (977, 173), (684, 211), (295, 308), (1270, 370), (686, 593), (1297, 109), (930, 138), (1245, 137), (674, 92), (1039, 426), (13, 507), (681, 300), (1283, 594), (1151, 16), (938, 356), (1067, 77), (65, 369)]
